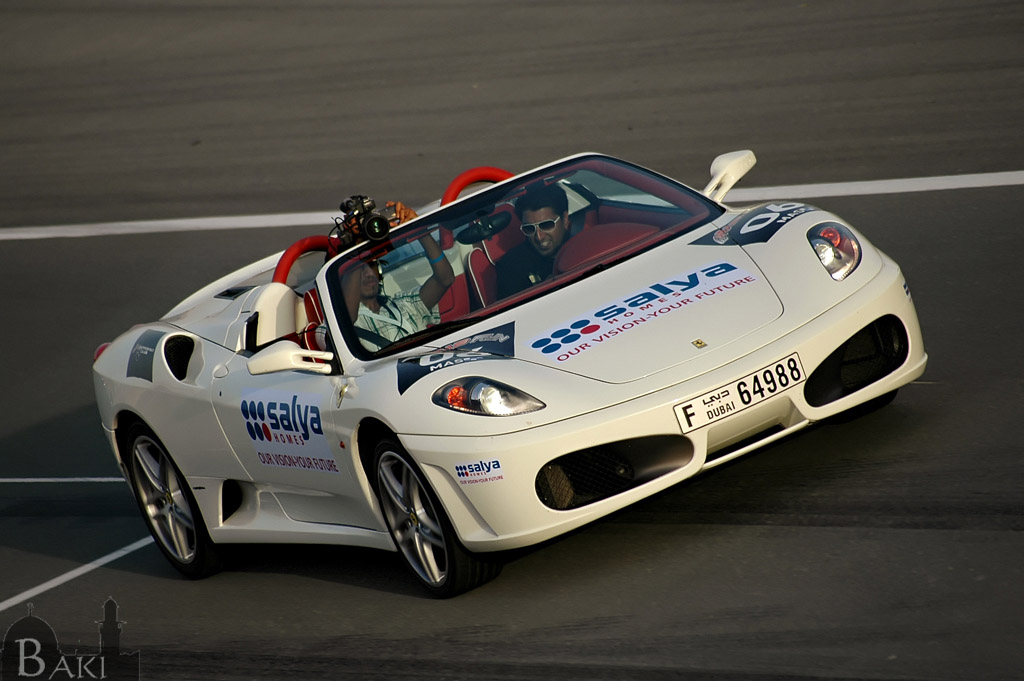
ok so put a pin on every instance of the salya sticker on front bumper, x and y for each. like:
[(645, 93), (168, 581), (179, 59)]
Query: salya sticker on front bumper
[(475, 472)]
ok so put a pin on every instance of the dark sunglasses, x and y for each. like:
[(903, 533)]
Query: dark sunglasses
[(528, 228)]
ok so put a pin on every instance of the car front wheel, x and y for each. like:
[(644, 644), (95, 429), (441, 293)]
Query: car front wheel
[(422, 532)]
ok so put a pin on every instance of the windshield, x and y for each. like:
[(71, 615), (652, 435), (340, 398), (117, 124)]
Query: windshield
[(504, 247)]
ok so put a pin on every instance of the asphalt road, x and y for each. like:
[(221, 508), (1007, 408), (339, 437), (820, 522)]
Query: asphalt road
[(887, 547)]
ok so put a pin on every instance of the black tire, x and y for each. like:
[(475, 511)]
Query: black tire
[(421, 530), (168, 506)]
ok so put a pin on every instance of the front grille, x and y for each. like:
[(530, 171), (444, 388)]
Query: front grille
[(589, 475), (875, 351), (581, 478)]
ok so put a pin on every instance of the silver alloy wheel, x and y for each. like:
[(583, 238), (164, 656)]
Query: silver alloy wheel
[(414, 523), (163, 497)]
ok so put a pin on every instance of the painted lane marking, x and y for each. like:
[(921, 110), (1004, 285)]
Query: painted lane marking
[(797, 191), (73, 574), (58, 480), (164, 226), (871, 187)]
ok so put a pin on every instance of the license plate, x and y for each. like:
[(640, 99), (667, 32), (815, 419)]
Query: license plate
[(736, 396)]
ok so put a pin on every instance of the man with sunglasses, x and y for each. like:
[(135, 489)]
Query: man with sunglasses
[(543, 214)]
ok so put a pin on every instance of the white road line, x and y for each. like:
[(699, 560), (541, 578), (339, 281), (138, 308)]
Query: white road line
[(58, 480), (323, 219), (871, 187), (162, 226), (73, 574)]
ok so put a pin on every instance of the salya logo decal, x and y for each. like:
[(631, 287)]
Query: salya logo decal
[(654, 302), (479, 471), (287, 430), (285, 421)]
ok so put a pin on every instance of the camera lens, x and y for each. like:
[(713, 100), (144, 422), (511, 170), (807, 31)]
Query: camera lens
[(376, 228)]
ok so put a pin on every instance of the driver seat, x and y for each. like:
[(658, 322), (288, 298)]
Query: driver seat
[(482, 260)]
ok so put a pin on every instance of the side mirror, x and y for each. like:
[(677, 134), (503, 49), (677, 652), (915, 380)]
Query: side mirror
[(288, 356), (726, 170)]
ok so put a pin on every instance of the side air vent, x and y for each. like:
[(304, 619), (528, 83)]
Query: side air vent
[(230, 498), (178, 353)]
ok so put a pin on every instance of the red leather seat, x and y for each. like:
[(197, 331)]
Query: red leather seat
[(480, 265), (598, 242), (314, 317)]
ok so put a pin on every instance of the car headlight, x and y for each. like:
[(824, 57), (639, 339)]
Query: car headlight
[(482, 396), (837, 248)]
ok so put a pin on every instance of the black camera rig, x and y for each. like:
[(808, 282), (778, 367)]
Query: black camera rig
[(361, 221)]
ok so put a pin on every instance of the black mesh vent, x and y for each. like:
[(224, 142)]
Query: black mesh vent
[(231, 498), (873, 352), (581, 478), (589, 475), (178, 353)]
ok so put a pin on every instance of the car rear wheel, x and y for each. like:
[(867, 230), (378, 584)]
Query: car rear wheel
[(168, 507), (421, 531)]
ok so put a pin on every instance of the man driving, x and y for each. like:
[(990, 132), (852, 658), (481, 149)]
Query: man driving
[(543, 213)]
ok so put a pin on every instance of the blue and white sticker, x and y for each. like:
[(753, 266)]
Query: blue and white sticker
[(475, 472), (496, 343), (287, 430), (140, 362), (757, 226), (649, 305)]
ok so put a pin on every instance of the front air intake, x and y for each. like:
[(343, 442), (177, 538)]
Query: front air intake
[(590, 475), (875, 351), (581, 478)]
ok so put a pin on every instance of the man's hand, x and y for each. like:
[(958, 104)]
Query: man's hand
[(402, 212)]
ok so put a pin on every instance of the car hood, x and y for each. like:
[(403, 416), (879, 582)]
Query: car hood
[(651, 313)]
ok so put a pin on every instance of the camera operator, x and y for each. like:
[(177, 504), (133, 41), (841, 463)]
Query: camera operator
[(393, 317)]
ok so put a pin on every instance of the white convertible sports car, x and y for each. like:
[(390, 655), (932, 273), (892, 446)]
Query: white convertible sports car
[(501, 369)]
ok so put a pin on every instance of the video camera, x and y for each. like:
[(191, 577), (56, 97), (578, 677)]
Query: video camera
[(362, 218), (361, 221)]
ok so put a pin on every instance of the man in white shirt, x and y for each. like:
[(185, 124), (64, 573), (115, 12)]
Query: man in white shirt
[(390, 318)]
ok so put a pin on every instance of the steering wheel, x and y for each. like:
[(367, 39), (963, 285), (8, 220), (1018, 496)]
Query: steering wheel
[(295, 251), (471, 176)]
